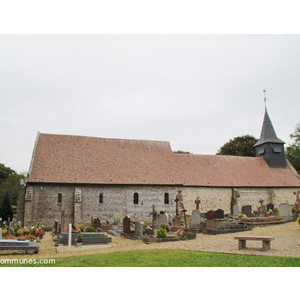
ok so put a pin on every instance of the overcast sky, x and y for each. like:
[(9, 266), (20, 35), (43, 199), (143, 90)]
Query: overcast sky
[(195, 91)]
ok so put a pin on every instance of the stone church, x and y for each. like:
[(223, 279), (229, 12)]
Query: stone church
[(83, 176)]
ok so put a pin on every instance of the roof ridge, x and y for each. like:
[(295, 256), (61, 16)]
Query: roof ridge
[(103, 138)]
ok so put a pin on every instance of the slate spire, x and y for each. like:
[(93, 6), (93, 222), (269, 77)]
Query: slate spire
[(268, 134), (269, 146)]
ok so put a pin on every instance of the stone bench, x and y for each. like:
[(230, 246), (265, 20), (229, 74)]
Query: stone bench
[(266, 241)]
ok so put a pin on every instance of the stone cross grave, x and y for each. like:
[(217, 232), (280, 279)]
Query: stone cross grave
[(153, 214), (197, 201), (177, 217), (62, 221), (184, 211), (297, 203)]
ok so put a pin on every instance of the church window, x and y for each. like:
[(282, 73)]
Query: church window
[(135, 198), (166, 199), (59, 197), (101, 198)]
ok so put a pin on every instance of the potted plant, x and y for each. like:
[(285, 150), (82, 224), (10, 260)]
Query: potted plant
[(79, 240)]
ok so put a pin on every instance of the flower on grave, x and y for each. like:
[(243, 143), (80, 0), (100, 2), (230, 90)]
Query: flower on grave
[(270, 211), (26, 232), (40, 233)]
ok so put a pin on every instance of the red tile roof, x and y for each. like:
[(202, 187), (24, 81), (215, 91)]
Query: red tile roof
[(90, 160)]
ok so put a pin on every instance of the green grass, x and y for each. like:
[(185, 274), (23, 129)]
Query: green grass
[(170, 258)]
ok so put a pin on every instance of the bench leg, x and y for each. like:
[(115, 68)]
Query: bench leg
[(242, 244), (266, 245)]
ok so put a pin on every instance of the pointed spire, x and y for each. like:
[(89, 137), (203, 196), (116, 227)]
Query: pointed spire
[(268, 134)]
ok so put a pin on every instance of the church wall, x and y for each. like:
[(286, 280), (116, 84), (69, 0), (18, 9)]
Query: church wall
[(210, 198), (251, 196), (79, 203), (44, 207)]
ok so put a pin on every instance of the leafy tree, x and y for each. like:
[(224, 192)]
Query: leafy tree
[(6, 210), (182, 152), (12, 182), (293, 151), (239, 146)]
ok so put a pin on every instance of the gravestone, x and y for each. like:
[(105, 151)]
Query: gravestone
[(196, 219), (126, 225), (235, 211), (138, 229), (11, 228), (285, 211), (170, 219), (210, 215), (148, 231), (219, 214), (247, 210), (161, 218), (56, 226), (270, 206), (177, 221), (98, 223)]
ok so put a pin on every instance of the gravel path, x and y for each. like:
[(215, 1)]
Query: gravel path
[(286, 243)]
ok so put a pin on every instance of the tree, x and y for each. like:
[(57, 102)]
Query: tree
[(12, 182), (182, 152), (293, 151), (6, 210), (239, 146)]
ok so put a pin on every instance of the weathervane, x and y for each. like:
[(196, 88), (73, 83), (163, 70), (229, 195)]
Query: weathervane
[(265, 99)]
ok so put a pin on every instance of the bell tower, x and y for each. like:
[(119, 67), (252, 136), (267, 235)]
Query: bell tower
[(269, 146)]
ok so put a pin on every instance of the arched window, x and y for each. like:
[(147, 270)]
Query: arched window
[(101, 198), (135, 198), (166, 198)]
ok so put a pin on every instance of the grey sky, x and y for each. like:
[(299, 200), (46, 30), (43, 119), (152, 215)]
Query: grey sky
[(195, 91)]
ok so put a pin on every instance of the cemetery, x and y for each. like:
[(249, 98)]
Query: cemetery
[(160, 228)]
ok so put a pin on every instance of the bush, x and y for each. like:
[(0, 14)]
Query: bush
[(190, 235), (161, 233), (33, 230), (117, 218), (19, 232), (80, 226), (242, 216), (89, 229)]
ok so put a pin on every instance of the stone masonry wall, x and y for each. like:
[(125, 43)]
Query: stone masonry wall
[(81, 202)]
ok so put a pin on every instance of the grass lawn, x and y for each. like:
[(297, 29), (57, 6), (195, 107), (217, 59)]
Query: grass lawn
[(170, 258)]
